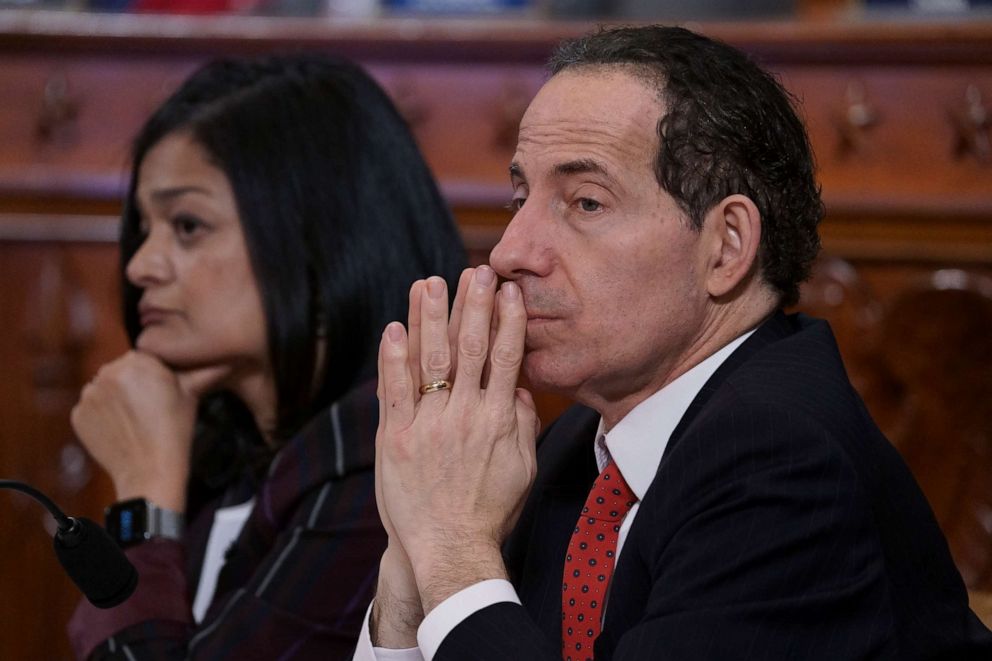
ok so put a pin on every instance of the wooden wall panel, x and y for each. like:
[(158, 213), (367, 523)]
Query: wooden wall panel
[(59, 308)]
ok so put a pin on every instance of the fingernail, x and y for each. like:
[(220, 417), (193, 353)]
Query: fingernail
[(435, 287), (394, 331), (484, 276), (511, 290)]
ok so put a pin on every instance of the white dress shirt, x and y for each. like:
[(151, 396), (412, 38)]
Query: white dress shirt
[(228, 522), (636, 444)]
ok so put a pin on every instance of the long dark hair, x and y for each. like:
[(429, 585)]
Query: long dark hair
[(339, 211)]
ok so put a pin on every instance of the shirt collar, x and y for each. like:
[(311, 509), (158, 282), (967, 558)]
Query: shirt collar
[(639, 440)]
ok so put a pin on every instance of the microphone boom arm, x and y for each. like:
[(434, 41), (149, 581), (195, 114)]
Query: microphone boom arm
[(64, 522), (91, 558)]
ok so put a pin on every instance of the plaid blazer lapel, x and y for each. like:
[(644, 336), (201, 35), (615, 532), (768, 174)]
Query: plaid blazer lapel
[(336, 442)]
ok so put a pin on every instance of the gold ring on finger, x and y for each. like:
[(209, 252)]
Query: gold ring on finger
[(435, 386)]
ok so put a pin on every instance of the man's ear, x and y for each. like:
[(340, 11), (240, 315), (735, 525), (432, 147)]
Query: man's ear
[(733, 226)]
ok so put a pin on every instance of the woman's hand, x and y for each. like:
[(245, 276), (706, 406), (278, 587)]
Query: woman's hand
[(136, 419)]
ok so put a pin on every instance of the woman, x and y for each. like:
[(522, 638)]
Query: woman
[(278, 211)]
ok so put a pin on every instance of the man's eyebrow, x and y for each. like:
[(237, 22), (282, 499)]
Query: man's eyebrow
[(585, 166), (568, 168), (580, 166)]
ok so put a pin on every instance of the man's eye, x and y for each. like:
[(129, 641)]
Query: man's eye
[(516, 203), (590, 205)]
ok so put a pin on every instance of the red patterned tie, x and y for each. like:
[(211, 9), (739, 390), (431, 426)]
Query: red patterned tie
[(589, 563)]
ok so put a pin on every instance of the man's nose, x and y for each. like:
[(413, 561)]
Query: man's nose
[(523, 249)]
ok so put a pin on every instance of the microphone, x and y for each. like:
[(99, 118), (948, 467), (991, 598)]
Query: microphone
[(91, 558)]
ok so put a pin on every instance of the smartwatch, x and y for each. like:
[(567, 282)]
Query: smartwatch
[(133, 521)]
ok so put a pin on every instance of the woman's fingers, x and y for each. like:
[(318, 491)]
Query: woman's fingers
[(199, 382)]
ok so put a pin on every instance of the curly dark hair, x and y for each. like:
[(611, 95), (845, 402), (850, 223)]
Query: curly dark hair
[(730, 127)]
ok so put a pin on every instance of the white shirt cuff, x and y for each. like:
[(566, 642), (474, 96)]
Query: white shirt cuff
[(366, 652), (457, 608)]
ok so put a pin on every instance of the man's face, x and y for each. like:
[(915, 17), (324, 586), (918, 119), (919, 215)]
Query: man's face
[(611, 273)]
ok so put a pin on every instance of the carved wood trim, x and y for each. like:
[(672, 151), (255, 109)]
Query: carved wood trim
[(504, 40), (58, 229)]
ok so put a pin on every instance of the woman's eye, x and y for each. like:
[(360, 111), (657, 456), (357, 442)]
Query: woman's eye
[(187, 226), (516, 203), (589, 205)]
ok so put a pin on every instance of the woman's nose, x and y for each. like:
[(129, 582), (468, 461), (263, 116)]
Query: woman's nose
[(150, 264)]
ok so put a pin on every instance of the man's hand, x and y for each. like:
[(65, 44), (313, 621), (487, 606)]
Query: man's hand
[(397, 612), (136, 419), (454, 467)]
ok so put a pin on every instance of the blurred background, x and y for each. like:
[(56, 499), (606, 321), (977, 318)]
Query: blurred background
[(596, 9), (896, 96)]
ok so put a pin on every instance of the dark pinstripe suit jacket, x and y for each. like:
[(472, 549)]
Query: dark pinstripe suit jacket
[(296, 583), (781, 525)]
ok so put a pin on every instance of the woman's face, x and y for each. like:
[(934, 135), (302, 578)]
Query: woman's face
[(200, 305)]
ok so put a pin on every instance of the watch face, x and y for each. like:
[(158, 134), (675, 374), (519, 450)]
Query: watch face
[(127, 521)]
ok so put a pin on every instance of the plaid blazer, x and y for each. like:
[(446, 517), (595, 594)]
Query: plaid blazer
[(296, 583)]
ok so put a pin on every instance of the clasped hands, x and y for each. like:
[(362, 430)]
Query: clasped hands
[(453, 467)]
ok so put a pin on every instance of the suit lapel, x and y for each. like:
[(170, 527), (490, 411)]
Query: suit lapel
[(632, 578), (776, 327)]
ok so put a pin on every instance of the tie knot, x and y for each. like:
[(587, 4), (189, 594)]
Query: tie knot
[(610, 498)]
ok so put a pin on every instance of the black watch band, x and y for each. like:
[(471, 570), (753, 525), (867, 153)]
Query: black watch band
[(136, 520)]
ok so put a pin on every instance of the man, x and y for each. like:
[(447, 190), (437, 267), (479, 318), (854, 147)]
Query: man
[(721, 493)]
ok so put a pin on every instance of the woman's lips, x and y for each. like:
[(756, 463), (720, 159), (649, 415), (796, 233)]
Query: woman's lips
[(152, 315)]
